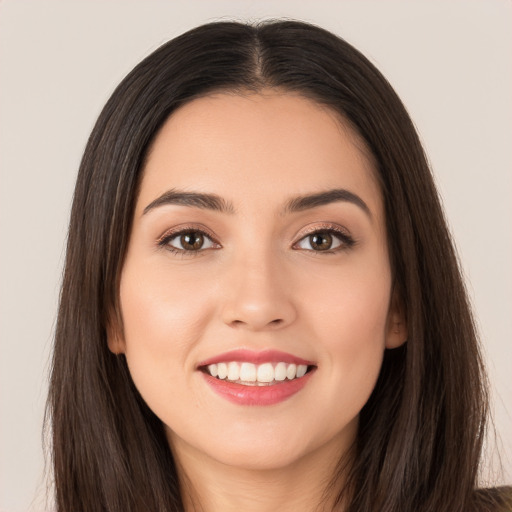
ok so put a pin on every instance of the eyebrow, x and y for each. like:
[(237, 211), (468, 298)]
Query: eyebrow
[(217, 203), (192, 199), (306, 202)]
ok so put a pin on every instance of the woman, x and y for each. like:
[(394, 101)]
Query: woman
[(261, 304)]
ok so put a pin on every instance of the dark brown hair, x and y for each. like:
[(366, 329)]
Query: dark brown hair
[(421, 432)]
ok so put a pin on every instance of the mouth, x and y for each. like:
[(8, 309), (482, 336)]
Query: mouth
[(256, 378), (250, 374)]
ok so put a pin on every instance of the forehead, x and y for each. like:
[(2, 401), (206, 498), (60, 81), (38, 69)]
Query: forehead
[(270, 143)]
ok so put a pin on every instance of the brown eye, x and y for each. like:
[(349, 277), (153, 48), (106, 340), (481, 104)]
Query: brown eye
[(192, 241), (188, 241), (320, 241), (325, 240)]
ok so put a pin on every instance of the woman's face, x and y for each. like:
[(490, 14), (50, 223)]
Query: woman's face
[(258, 251)]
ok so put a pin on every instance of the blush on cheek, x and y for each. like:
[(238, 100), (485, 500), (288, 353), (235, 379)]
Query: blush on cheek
[(161, 317)]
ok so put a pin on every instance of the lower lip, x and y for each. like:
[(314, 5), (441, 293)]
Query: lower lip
[(257, 395)]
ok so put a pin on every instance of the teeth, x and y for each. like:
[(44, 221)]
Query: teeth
[(262, 374), (213, 370), (280, 371), (222, 370), (265, 372), (301, 370), (233, 371), (291, 371), (248, 372)]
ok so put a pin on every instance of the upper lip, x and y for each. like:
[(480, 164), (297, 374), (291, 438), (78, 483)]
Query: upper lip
[(255, 357)]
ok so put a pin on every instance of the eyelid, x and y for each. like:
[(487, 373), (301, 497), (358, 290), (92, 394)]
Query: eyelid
[(346, 238), (185, 228), (342, 232), (322, 226)]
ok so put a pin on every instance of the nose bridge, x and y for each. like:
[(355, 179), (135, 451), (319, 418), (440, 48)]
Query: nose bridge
[(257, 297)]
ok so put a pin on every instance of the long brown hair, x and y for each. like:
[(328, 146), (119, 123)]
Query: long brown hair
[(421, 432)]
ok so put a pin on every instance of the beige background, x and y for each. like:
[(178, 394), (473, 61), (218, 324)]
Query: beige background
[(59, 61)]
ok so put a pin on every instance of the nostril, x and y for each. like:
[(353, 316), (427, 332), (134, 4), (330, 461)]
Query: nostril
[(276, 322)]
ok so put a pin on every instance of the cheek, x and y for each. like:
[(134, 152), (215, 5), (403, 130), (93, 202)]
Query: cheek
[(351, 303), (163, 319), (350, 315)]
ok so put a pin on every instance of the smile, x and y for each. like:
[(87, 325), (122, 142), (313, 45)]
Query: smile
[(256, 378), (250, 374)]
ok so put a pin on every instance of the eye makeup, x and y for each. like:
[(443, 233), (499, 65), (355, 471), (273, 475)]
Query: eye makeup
[(328, 231), (192, 238)]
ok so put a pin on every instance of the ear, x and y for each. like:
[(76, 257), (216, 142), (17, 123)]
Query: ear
[(396, 329), (115, 334)]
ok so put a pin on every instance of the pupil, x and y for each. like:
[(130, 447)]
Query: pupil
[(321, 242), (192, 241)]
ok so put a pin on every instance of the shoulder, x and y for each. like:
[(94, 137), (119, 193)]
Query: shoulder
[(496, 499)]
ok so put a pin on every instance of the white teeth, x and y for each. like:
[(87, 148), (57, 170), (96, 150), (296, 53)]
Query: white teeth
[(301, 370), (233, 371), (280, 371), (263, 374), (222, 370), (291, 371), (212, 368), (248, 372)]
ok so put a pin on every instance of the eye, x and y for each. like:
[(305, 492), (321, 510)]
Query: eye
[(325, 240), (190, 240)]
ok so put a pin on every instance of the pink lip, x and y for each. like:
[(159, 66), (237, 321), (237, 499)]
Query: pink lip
[(257, 395), (264, 356)]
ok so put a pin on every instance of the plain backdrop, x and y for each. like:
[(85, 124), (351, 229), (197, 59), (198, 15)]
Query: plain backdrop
[(449, 61)]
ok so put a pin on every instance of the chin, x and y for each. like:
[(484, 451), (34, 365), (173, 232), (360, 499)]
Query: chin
[(267, 448)]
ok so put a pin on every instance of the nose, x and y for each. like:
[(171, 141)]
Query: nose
[(258, 296)]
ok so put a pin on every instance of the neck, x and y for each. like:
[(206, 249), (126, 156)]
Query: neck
[(211, 486)]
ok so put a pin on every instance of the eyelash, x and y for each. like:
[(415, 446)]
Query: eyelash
[(165, 239), (346, 241)]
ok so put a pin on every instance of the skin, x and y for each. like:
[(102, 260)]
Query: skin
[(259, 285)]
